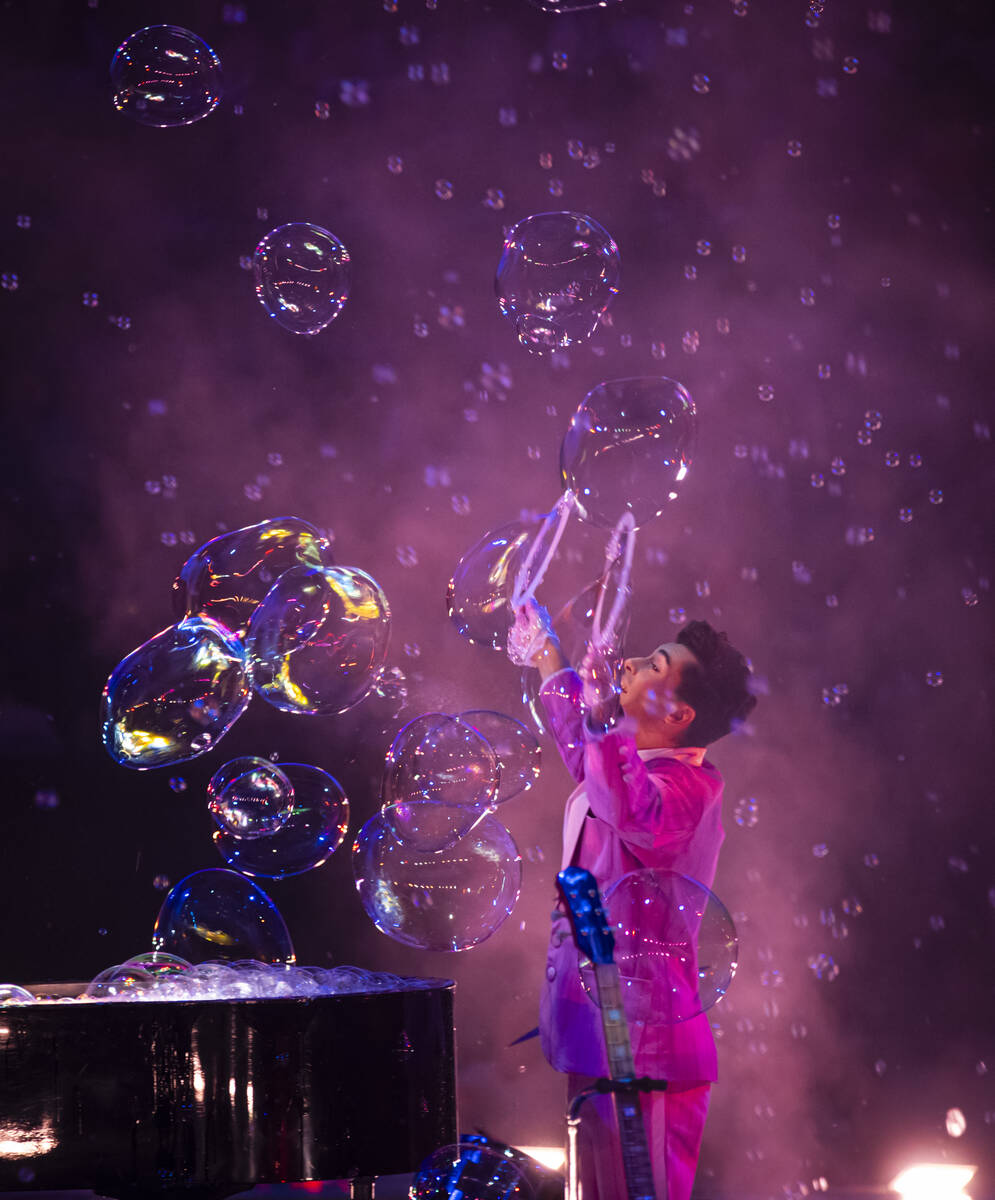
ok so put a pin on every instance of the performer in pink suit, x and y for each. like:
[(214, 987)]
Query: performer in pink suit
[(646, 797)]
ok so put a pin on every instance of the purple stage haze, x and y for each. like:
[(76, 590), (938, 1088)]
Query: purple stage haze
[(801, 204)]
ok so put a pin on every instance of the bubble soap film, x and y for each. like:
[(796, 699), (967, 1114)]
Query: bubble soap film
[(230, 575), (164, 75), (311, 832), (557, 276), (176, 696), (156, 977), (303, 276)]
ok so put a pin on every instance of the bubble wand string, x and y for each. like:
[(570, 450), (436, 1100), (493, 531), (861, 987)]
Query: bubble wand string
[(525, 588), (603, 636)]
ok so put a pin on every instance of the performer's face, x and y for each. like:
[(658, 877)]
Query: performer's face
[(649, 685)]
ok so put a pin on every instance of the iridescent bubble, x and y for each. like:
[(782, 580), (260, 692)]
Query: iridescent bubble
[(518, 754), (470, 1170), (220, 914), (312, 832), (627, 448), (176, 696), (250, 797), (318, 641), (164, 75), (557, 276), (449, 899), (303, 276), (127, 981), (229, 576), (479, 592), (676, 947), (158, 965)]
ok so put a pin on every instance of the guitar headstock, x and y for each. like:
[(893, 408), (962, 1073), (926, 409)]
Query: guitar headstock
[(591, 931)]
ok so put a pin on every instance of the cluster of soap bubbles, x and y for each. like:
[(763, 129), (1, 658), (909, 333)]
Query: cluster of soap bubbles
[(159, 977), (164, 76), (434, 868), (263, 609)]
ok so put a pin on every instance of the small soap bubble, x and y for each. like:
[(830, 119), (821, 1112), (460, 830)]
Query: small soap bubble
[(864, 437), (395, 164), (824, 371), (701, 84), (250, 797), (807, 296), (178, 784), (956, 1123), (91, 299), (934, 678), (560, 60), (161, 883), (873, 420), (851, 64), (905, 515), (9, 281), (444, 189), (322, 110), (739, 254), (302, 275), (936, 496), (871, 860), (507, 117), (690, 272), (765, 392), (746, 812), (915, 460), (690, 341), (820, 850), (838, 466), (165, 76), (817, 479), (969, 596), (880, 1067), (823, 966), (794, 148), (407, 556)]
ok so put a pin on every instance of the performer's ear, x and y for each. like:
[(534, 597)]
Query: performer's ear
[(682, 716)]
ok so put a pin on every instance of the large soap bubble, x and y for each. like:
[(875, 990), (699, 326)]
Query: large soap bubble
[(164, 75), (557, 276), (627, 448), (317, 643), (449, 899), (250, 797), (438, 757), (176, 696), (227, 577), (475, 1169), (518, 754), (480, 589), (311, 833), (218, 914), (302, 275), (676, 946)]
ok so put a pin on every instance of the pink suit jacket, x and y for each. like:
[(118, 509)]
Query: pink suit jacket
[(646, 810)]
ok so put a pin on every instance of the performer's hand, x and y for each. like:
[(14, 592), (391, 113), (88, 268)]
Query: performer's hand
[(531, 640)]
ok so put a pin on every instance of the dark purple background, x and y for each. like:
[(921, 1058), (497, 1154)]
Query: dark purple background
[(393, 440)]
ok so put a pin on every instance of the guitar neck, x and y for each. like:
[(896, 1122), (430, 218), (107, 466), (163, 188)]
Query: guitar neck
[(635, 1152)]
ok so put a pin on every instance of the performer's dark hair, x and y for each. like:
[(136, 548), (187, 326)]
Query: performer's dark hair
[(718, 690)]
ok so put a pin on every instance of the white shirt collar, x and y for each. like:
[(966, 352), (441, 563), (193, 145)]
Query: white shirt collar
[(694, 756)]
